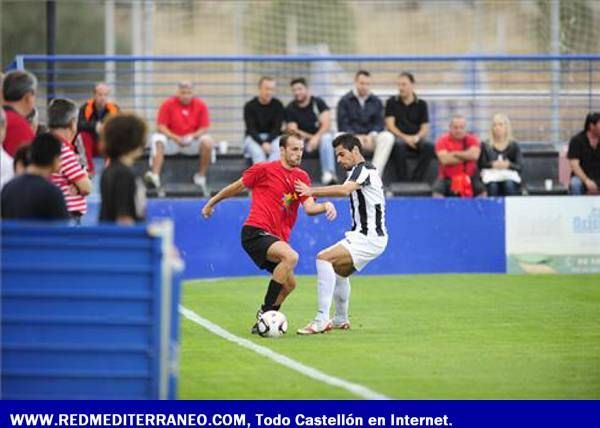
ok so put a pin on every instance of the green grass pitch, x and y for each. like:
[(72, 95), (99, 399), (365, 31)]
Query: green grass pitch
[(412, 337)]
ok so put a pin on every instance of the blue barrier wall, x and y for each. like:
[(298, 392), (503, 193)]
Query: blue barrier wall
[(426, 236), (85, 314)]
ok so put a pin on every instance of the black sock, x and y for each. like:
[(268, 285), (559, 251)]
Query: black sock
[(271, 296)]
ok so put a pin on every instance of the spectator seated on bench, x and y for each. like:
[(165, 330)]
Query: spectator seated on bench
[(407, 123), (183, 121), (310, 117), (92, 115), (458, 153), (263, 116), (584, 158), (360, 112), (501, 161)]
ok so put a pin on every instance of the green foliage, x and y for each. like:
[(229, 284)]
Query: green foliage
[(79, 28), (328, 22)]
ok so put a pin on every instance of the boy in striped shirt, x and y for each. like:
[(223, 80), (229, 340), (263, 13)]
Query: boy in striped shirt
[(72, 179)]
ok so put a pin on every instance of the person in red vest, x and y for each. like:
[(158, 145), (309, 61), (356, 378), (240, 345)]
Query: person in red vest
[(18, 90), (458, 152), (91, 116)]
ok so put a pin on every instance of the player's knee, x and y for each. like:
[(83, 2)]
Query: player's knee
[(343, 270), (291, 258), (323, 255)]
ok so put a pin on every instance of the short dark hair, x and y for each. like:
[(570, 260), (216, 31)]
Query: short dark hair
[(408, 75), (122, 134), (44, 149), (22, 156), (286, 136), (591, 118), (265, 78), (300, 80), (17, 84), (61, 112), (347, 141), (362, 73)]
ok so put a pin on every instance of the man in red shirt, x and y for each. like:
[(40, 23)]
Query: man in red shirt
[(18, 90), (182, 124), (92, 115), (72, 178), (458, 152), (272, 216)]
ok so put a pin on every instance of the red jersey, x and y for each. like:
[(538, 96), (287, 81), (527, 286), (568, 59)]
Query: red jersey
[(18, 131), (183, 119), (275, 203), (446, 142)]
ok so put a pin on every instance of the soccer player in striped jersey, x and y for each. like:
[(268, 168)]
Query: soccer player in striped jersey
[(273, 212), (363, 243)]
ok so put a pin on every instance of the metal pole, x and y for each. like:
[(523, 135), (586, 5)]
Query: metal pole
[(109, 40), (555, 50), (50, 48), (148, 51), (136, 44), (1, 58)]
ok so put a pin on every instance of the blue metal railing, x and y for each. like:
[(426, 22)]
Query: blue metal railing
[(546, 96)]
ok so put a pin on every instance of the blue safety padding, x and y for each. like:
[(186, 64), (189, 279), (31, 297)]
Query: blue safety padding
[(81, 312), (426, 236)]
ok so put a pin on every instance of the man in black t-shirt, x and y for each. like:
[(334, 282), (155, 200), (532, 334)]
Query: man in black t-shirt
[(263, 116), (31, 196), (310, 117), (123, 194), (584, 158), (407, 119)]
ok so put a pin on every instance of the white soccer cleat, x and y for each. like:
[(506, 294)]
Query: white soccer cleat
[(344, 325), (315, 327)]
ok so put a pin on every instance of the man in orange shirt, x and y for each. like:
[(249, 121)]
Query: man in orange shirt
[(91, 116), (183, 121)]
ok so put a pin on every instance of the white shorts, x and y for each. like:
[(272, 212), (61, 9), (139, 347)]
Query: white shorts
[(172, 148), (363, 249)]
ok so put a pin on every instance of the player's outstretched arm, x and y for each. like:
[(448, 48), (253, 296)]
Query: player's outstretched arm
[(227, 192), (312, 208), (336, 190)]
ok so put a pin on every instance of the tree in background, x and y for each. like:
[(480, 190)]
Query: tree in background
[(79, 28)]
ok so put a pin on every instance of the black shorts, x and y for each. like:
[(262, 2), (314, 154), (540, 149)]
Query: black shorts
[(256, 242)]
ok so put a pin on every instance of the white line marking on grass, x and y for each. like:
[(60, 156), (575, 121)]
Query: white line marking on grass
[(356, 389)]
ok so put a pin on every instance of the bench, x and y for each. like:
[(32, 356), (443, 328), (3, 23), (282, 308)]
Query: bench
[(540, 162)]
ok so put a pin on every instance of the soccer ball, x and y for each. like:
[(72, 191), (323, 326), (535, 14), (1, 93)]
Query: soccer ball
[(272, 324)]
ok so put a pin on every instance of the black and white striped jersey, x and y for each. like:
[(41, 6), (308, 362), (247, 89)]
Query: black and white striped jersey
[(367, 204)]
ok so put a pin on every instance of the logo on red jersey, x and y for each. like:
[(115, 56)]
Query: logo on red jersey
[(288, 199)]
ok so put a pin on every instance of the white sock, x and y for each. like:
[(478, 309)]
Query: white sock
[(341, 297), (326, 284)]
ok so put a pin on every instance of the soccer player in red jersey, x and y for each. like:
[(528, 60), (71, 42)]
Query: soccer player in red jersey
[(273, 213)]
